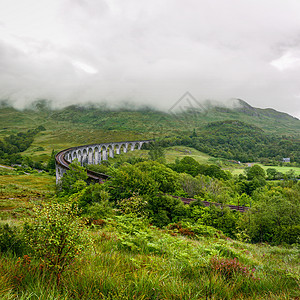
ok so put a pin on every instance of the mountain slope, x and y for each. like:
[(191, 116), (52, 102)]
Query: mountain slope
[(75, 125)]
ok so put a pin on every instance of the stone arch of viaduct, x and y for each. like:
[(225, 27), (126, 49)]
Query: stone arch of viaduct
[(93, 154)]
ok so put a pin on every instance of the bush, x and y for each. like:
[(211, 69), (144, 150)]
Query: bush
[(193, 230), (93, 201), (134, 234), (73, 180), (166, 209), (287, 234), (274, 217), (11, 239), (230, 268), (220, 218), (135, 205), (55, 236)]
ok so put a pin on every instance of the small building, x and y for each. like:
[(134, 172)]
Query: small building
[(286, 159)]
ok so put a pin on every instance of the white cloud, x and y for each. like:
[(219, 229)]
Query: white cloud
[(150, 52), (84, 67), (286, 61)]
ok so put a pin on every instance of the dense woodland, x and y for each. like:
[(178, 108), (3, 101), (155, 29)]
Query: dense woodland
[(239, 141)]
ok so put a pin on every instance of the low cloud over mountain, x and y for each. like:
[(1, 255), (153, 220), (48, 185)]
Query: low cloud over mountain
[(150, 52)]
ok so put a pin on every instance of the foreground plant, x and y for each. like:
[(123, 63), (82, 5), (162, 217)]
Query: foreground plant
[(231, 267), (56, 236)]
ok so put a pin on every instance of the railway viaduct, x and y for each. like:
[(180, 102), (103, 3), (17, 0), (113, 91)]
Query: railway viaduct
[(93, 154)]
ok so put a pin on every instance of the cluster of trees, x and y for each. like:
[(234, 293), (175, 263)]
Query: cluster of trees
[(239, 141), (12, 145), (273, 174), (190, 166), (275, 215)]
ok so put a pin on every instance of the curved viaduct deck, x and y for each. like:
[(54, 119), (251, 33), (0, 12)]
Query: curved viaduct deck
[(93, 154), (62, 166)]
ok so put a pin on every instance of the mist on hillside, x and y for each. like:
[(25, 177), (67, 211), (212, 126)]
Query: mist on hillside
[(187, 102)]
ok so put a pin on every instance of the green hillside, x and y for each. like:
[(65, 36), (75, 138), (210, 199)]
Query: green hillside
[(145, 120), (241, 133), (142, 120), (233, 139)]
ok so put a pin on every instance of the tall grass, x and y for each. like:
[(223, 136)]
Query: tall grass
[(177, 268)]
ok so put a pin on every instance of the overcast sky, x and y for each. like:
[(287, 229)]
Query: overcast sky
[(151, 52)]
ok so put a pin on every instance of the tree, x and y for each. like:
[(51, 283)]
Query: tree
[(93, 201), (216, 172), (128, 180), (74, 179), (157, 153), (145, 178), (166, 178), (51, 161), (274, 217), (255, 171), (166, 209), (271, 172), (186, 165), (290, 175), (56, 236)]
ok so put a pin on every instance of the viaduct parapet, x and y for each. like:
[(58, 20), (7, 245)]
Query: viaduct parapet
[(93, 155)]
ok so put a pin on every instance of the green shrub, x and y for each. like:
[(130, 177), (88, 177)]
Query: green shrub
[(135, 205), (93, 201), (287, 234), (166, 209), (220, 218), (134, 234), (193, 230), (73, 180), (56, 236), (11, 239)]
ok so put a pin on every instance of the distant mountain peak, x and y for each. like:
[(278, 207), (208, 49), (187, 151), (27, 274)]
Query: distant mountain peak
[(242, 106), (239, 103)]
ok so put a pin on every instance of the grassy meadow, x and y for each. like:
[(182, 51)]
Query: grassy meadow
[(172, 153), (285, 169), (19, 192), (129, 259)]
